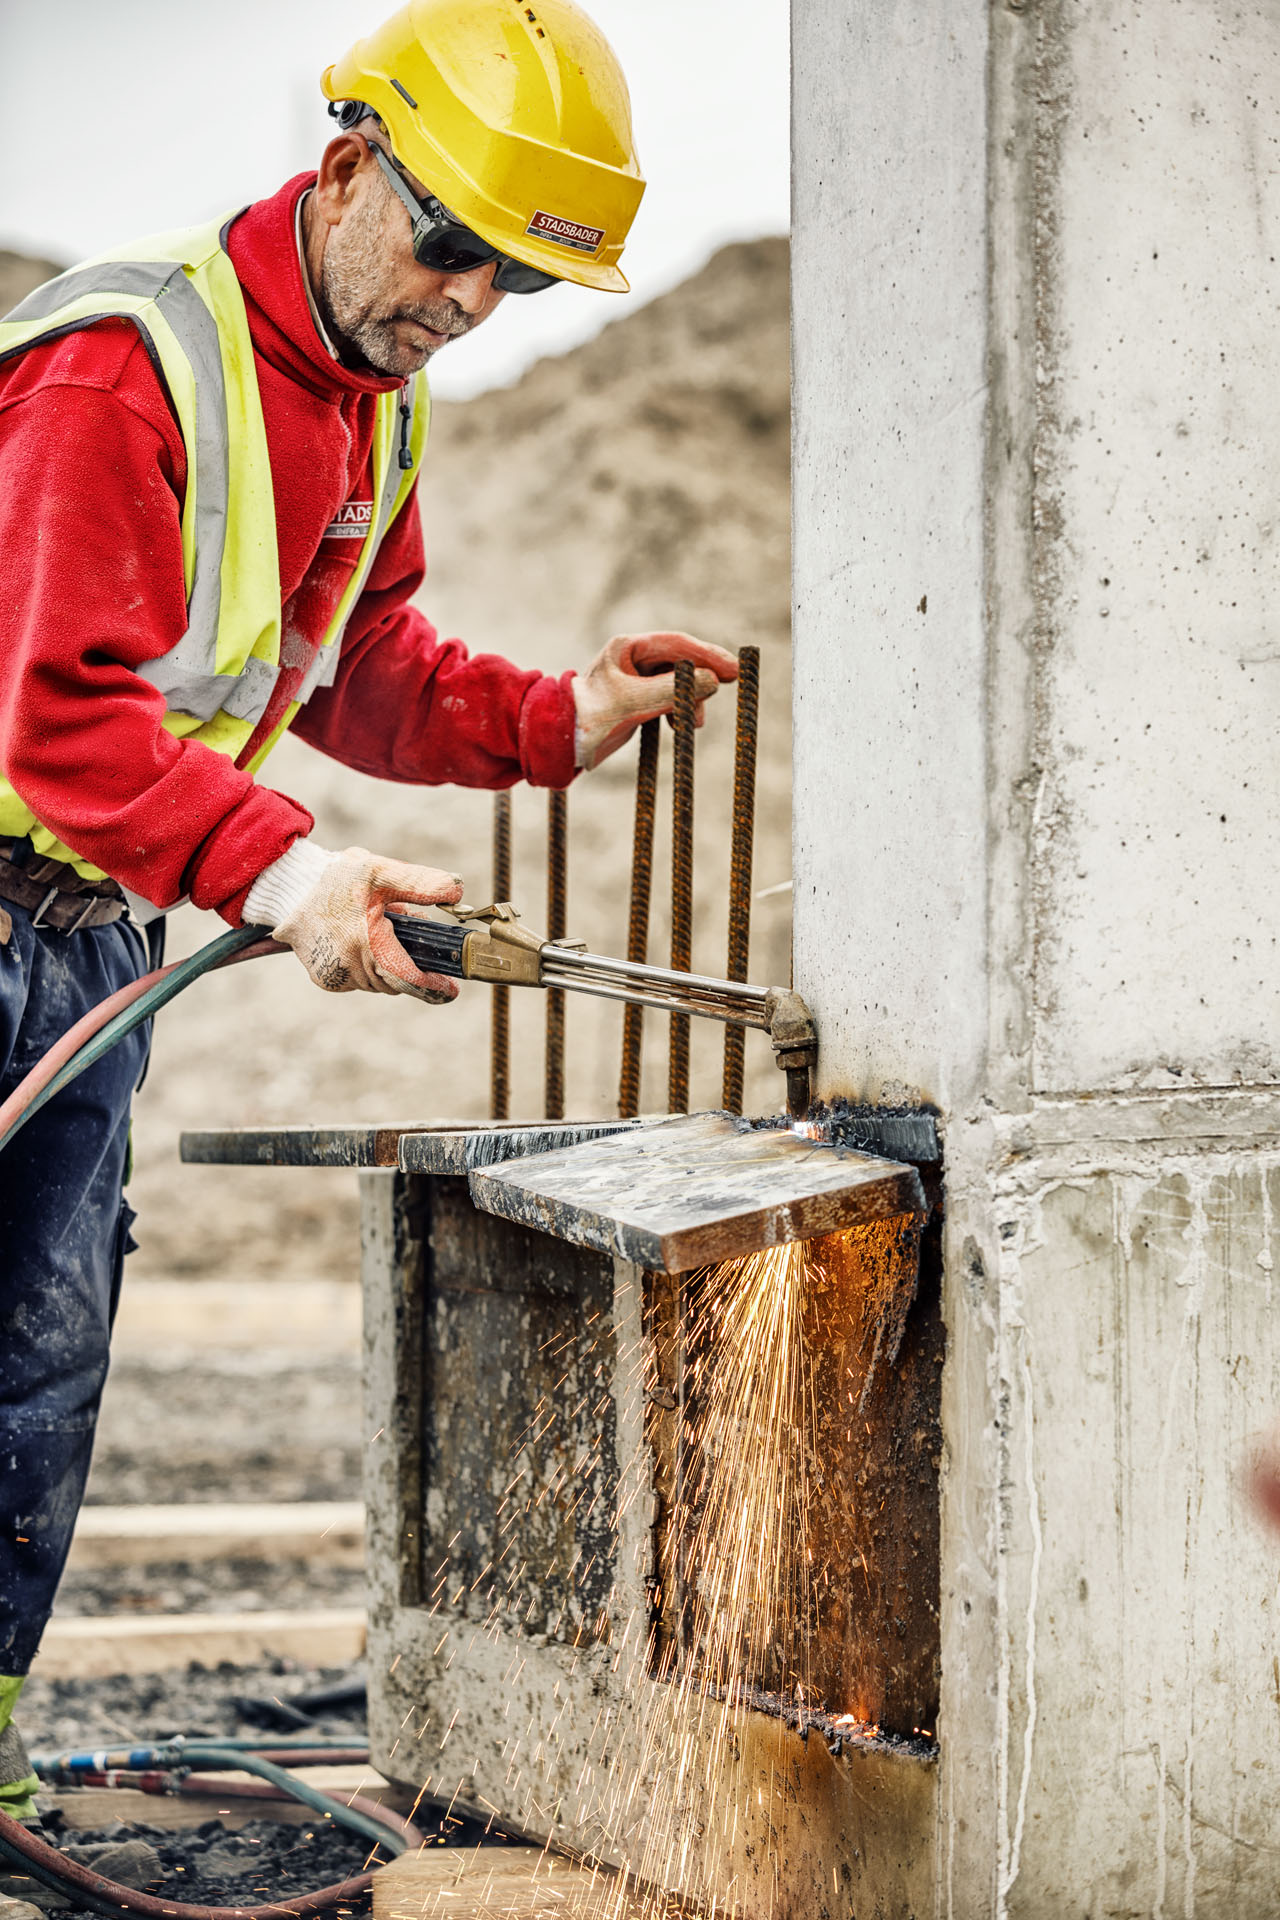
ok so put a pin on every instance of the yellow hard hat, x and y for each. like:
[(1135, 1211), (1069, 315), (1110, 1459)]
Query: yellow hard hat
[(516, 115)]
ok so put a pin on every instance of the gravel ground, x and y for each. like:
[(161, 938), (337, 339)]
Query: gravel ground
[(205, 1426), (118, 1708), (211, 1864), (222, 1586)]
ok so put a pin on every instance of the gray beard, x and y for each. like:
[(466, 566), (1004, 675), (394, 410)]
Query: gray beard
[(350, 277)]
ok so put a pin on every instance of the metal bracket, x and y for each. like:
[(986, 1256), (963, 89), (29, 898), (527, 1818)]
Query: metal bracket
[(795, 1046)]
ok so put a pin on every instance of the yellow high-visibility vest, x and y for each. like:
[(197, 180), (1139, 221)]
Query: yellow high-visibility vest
[(181, 292)]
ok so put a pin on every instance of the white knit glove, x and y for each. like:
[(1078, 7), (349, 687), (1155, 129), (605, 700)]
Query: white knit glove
[(331, 909), (631, 680)]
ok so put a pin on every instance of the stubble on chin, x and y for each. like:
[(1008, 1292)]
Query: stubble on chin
[(357, 306)]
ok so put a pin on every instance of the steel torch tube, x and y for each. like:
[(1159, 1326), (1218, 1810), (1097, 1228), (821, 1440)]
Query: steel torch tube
[(662, 987)]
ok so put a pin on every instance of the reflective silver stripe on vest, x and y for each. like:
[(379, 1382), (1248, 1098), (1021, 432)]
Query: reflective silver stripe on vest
[(324, 668), (185, 675)]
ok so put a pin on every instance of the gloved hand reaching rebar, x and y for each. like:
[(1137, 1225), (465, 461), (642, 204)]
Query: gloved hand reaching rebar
[(632, 680), (338, 927)]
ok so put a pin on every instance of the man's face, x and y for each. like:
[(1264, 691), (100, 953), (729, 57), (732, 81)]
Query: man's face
[(379, 305)]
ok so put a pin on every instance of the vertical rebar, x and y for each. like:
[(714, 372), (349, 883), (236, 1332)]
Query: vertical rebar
[(500, 1031), (557, 927), (744, 822), (638, 926), (682, 715)]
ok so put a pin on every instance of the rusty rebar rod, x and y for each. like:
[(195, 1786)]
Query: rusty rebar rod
[(744, 823), (500, 1030), (557, 927), (682, 720), (638, 926)]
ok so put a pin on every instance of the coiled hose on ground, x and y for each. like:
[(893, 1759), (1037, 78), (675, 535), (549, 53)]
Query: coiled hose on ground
[(167, 1769)]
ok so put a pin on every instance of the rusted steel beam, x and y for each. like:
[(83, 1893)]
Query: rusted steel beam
[(744, 820), (361, 1146), (454, 1150), (638, 927), (557, 927), (500, 1030), (681, 1193), (682, 721)]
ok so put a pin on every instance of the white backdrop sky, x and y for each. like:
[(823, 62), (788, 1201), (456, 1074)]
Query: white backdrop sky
[(128, 118)]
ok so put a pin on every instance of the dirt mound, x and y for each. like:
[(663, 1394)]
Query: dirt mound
[(640, 481), (21, 275)]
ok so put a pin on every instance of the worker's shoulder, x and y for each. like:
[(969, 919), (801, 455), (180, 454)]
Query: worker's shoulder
[(109, 356)]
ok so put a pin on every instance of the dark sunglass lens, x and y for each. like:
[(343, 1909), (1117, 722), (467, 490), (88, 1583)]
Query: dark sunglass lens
[(513, 276), (453, 250)]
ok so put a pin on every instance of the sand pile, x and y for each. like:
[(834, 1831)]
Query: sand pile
[(21, 275), (641, 481)]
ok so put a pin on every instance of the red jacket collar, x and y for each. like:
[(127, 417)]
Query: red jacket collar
[(263, 247)]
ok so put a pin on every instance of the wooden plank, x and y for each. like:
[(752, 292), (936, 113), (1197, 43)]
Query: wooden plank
[(458, 1150), (682, 1193), (327, 1533), (497, 1883), (80, 1647)]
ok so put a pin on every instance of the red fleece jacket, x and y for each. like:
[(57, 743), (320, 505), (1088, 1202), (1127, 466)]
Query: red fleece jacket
[(92, 477)]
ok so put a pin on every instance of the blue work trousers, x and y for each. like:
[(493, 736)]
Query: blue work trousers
[(64, 1230)]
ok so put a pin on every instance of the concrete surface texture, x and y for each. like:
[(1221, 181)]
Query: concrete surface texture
[(1037, 437)]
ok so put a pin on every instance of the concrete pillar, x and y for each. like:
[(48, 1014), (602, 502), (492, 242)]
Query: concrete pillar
[(1037, 469)]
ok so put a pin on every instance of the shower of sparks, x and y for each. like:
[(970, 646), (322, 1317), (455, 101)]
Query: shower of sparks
[(739, 1619), (665, 1781)]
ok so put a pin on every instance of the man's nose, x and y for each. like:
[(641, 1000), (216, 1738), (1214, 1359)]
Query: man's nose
[(471, 290)]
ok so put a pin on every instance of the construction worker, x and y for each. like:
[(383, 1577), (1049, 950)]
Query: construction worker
[(209, 444)]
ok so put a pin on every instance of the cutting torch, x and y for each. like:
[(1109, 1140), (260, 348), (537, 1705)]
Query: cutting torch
[(482, 943), (493, 944)]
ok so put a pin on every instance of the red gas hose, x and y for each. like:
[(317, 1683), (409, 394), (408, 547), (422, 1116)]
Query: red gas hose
[(93, 1022), (213, 1785), (147, 1906)]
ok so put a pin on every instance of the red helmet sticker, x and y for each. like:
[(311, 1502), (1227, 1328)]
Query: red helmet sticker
[(566, 233)]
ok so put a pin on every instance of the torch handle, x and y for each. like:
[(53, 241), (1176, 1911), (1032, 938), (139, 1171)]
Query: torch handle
[(432, 946)]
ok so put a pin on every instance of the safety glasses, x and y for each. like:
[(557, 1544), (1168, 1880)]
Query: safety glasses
[(443, 244)]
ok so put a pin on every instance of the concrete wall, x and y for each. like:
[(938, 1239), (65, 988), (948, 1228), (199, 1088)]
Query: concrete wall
[(1035, 327), (889, 342)]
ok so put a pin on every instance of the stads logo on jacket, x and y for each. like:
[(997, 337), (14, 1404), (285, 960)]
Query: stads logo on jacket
[(350, 522)]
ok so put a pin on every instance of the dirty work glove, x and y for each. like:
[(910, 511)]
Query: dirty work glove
[(18, 1782), (331, 909), (631, 680)]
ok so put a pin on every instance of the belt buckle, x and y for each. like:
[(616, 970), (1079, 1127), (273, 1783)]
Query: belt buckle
[(37, 918), (85, 914)]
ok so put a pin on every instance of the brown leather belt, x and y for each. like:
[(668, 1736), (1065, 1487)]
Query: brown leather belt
[(56, 895)]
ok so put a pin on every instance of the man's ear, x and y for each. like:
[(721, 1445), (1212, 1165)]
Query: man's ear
[(340, 162)]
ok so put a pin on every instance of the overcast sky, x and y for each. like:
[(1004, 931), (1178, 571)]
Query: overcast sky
[(129, 117)]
